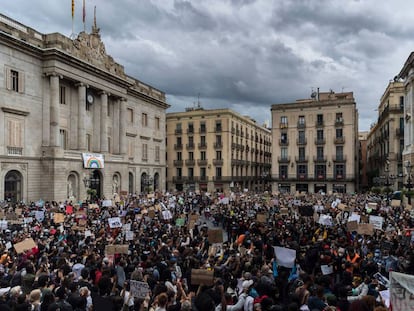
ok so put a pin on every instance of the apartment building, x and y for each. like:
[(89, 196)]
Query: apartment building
[(217, 150), (73, 121), (385, 141), (363, 177), (315, 144)]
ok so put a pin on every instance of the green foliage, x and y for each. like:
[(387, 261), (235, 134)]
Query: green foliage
[(376, 190)]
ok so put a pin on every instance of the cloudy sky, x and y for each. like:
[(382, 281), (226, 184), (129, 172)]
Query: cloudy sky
[(244, 54)]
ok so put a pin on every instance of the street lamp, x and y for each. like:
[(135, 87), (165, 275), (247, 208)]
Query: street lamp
[(387, 181), (408, 184)]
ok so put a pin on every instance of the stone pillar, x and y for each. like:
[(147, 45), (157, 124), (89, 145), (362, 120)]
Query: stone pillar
[(115, 127), (96, 124), (104, 112), (122, 127), (81, 116), (54, 110)]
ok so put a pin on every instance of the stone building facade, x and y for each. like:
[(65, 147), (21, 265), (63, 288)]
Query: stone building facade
[(315, 144), (217, 150), (72, 120)]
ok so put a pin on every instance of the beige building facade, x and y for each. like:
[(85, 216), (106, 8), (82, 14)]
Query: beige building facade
[(315, 144), (217, 151), (72, 120), (385, 141)]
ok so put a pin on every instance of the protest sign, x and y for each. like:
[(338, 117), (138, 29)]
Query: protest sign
[(202, 276), (11, 216), (116, 249), (285, 257), (401, 291), (395, 203), (365, 229), (376, 221), (179, 222), (3, 224), (9, 245), (352, 226), (40, 215), (115, 222), (215, 235), (325, 220), (24, 245), (58, 218), (69, 209), (139, 289), (261, 217), (129, 235), (106, 203), (354, 217), (326, 269), (284, 211)]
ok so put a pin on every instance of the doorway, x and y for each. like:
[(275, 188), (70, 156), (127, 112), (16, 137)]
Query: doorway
[(13, 186)]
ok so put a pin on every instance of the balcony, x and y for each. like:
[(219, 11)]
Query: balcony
[(218, 145), (319, 123), (302, 176), (178, 162), (233, 145), (283, 125), (399, 131), (301, 159), (218, 129), (339, 140), (14, 151), (236, 162), (233, 130), (218, 162), (320, 141), (202, 146), (321, 176), (301, 125), (190, 162), (178, 131), (202, 130), (178, 147), (283, 142), (179, 179), (339, 122), (202, 162), (339, 177), (301, 141), (285, 159), (339, 158), (190, 146), (190, 130), (319, 159), (203, 178), (223, 178)]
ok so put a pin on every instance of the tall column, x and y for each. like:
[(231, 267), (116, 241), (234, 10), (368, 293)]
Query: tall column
[(122, 127), (104, 112), (96, 123), (115, 127), (54, 110), (81, 116)]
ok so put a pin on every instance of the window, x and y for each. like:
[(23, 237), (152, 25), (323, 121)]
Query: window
[(401, 102), (203, 172), (284, 138), (320, 171), (338, 117), (179, 142), (301, 153), (144, 152), (144, 119), (191, 155), (179, 156), (109, 145), (319, 135), (301, 121), (63, 139), (190, 172), (319, 119), (283, 121), (179, 172), (339, 153), (339, 171), (302, 170), (319, 153), (130, 115), (157, 123), (203, 155), (14, 80), (218, 155), (218, 171), (108, 109), (284, 153), (157, 153), (89, 142), (62, 95), (339, 133), (178, 128), (202, 141), (190, 141), (14, 128), (202, 127), (190, 128), (302, 138), (218, 126), (283, 170)]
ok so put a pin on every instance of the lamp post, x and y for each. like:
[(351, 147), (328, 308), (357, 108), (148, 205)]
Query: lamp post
[(408, 184), (387, 181)]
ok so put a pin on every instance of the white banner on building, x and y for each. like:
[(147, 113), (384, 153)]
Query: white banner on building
[(401, 291), (93, 160)]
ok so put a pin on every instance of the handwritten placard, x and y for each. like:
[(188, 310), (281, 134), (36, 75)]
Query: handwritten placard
[(58, 218), (215, 235), (139, 289), (24, 245), (202, 276), (115, 222)]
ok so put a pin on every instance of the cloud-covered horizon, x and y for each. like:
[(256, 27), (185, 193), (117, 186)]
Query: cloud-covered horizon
[(244, 54)]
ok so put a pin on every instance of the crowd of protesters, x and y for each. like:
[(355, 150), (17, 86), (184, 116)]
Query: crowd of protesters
[(70, 269)]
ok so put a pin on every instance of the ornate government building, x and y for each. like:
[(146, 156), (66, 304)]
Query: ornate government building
[(72, 120)]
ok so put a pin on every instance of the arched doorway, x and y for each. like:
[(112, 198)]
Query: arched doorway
[(156, 182), (131, 183), (147, 183), (96, 183), (13, 186)]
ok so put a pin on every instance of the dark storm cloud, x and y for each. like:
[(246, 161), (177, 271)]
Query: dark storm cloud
[(244, 54)]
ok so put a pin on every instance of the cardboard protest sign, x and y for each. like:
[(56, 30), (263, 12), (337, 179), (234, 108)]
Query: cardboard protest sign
[(285, 257), (139, 289), (365, 229), (116, 249), (395, 203), (24, 245), (114, 222), (261, 217), (58, 218), (372, 205), (284, 211), (11, 216), (376, 221), (82, 222), (202, 276), (352, 226), (215, 235)]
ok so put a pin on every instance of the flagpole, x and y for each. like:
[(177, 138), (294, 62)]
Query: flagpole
[(84, 16), (73, 15)]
